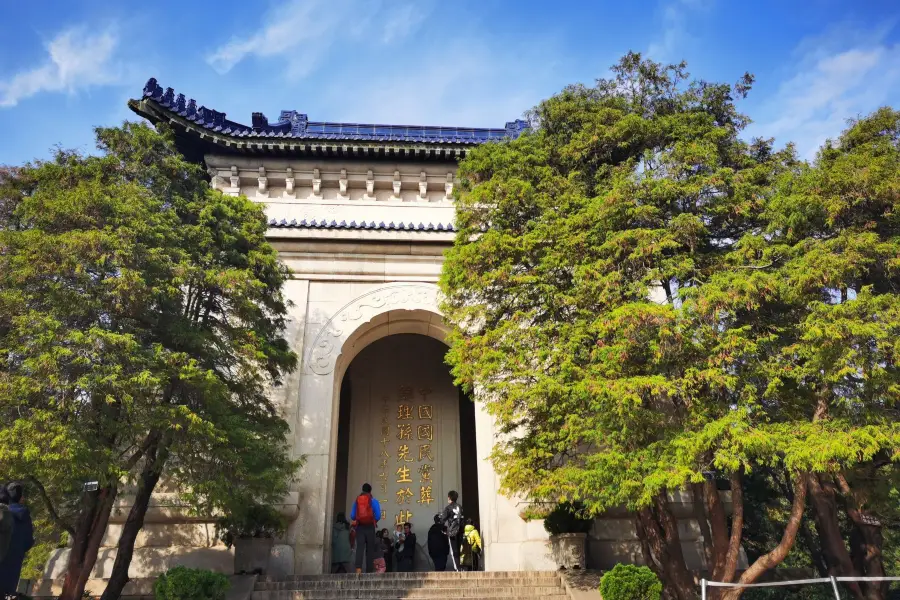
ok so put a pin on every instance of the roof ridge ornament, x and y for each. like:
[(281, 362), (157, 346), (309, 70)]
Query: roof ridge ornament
[(294, 124), (298, 121), (515, 128)]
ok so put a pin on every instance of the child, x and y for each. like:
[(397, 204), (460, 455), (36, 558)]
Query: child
[(379, 563), (399, 538), (471, 547)]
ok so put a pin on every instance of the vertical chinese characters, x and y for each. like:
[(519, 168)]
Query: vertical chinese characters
[(415, 433), (385, 437), (425, 441), (404, 428)]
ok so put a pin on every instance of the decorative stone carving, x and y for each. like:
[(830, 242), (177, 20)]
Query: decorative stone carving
[(396, 185), (327, 344), (235, 179), (263, 183), (342, 182), (423, 185), (316, 183), (216, 181), (370, 185), (448, 187), (289, 183)]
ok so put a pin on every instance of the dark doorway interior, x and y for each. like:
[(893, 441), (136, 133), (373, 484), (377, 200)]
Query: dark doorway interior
[(468, 486), (468, 459)]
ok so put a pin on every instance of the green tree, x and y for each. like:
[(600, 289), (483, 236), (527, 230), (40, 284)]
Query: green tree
[(637, 187), (141, 322), (828, 262), (638, 309)]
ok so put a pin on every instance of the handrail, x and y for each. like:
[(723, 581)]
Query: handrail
[(704, 584)]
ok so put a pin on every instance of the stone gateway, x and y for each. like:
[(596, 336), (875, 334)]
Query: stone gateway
[(361, 214)]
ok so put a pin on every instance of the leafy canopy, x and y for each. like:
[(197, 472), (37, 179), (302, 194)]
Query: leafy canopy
[(642, 297), (140, 312)]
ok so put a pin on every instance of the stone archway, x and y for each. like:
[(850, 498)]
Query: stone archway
[(396, 308), (338, 340)]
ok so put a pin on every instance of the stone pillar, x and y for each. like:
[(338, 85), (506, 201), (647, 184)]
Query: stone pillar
[(510, 543)]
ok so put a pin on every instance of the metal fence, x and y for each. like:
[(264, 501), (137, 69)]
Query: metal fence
[(705, 585)]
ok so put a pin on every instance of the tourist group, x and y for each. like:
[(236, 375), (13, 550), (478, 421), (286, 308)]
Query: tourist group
[(452, 539)]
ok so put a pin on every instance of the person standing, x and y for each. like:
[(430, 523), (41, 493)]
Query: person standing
[(438, 548), (388, 548), (340, 545), (20, 542), (365, 514), (408, 554), (471, 547), (452, 520), (379, 563)]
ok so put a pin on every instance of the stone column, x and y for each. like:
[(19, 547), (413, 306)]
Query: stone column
[(510, 544)]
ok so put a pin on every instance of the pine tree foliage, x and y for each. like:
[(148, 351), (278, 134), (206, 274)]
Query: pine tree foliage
[(141, 325), (644, 300)]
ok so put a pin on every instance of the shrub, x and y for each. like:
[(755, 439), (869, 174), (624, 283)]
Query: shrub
[(252, 521), (567, 518), (630, 582), (181, 583)]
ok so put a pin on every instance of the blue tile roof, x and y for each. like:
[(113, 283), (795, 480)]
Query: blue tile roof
[(370, 225), (294, 125)]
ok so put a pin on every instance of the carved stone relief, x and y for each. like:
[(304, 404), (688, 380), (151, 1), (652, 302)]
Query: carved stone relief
[(327, 344)]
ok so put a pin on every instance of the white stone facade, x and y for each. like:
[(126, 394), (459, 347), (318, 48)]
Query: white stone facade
[(349, 289)]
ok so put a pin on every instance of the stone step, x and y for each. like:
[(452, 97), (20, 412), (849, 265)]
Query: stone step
[(442, 594), (530, 575), (471, 591), (385, 581)]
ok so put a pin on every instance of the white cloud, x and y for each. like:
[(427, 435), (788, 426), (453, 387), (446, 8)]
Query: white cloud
[(404, 21), (830, 79), (302, 31), (675, 15), (78, 58)]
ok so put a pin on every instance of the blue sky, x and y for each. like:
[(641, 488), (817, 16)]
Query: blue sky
[(68, 66)]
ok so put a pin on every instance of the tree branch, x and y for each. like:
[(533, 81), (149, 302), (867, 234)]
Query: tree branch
[(780, 552), (755, 267), (737, 527), (60, 522), (151, 439)]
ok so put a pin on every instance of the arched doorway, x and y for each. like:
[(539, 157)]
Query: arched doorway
[(404, 428)]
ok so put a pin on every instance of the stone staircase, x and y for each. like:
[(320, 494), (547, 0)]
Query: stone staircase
[(416, 586)]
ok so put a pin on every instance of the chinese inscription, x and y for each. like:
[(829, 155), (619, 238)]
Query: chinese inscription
[(415, 431)]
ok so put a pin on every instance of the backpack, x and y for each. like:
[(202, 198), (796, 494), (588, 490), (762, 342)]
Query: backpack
[(365, 515), (454, 525)]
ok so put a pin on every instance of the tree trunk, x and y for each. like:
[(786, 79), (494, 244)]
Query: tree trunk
[(649, 558), (824, 501), (809, 540), (701, 514), (89, 531), (660, 532), (149, 477), (737, 528), (777, 554), (865, 543), (718, 521)]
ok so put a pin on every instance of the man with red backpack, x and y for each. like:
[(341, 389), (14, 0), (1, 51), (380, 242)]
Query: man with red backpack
[(365, 514)]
